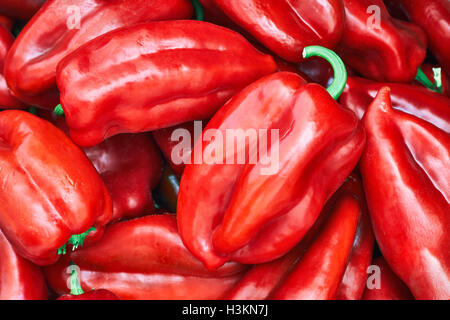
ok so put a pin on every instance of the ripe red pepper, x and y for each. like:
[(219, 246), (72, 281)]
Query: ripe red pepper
[(391, 51), (391, 287), (354, 280), (262, 279), (176, 71), (144, 258), (50, 190), (406, 181), (61, 26), (286, 27), (416, 100), (7, 100), (434, 17), (20, 9), (77, 293), (251, 217), (19, 278)]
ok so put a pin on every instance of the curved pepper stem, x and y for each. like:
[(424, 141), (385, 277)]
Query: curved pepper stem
[(423, 79), (199, 14), (340, 73), (75, 286), (58, 110), (75, 240)]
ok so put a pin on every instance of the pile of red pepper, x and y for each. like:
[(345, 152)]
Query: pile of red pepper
[(216, 149)]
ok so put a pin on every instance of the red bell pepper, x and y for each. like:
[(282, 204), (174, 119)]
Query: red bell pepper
[(434, 17), (262, 279), (144, 258), (176, 71), (390, 51), (20, 9), (19, 278), (318, 274), (286, 27), (61, 26), (418, 101), (77, 293), (50, 190), (254, 216), (130, 165), (390, 286), (354, 280), (406, 181), (7, 100)]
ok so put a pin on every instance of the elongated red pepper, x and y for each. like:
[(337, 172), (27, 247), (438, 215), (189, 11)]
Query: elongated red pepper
[(390, 286), (259, 211), (20, 9), (77, 293), (61, 26), (130, 165), (286, 27), (354, 280), (434, 17), (50, 190), (319, 272), (19, 278), (144, 258), (175, 71), (7, 100), (378, 46), (418, 101), (406, 181)]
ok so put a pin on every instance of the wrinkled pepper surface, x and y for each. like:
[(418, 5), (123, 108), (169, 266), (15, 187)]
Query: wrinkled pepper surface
[(390, 286), (19, 278), (61, 26), (286, 27), (144, 258), (175, 71), (50, 190), (406, 180), (242, 212), (434, 17), (383, 50), (416, 100)]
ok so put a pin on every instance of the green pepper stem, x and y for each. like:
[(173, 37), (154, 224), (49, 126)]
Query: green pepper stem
[(199, 14), (423, 79), (58, 110), (76, 240), (75, 286), (340, 73)]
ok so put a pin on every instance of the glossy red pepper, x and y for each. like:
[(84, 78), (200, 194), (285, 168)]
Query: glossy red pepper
[(20, 9), (434, 17), (61, 26), (240, 213), (318, 274), (262, 279), (7, 100), (50, 190), (144, 258), (19, 278), (286, 27), (130, 165), (416, 100), (176, 71), (77, 293), (390, 286), (406, 181), (385, 50), (354, 280)]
